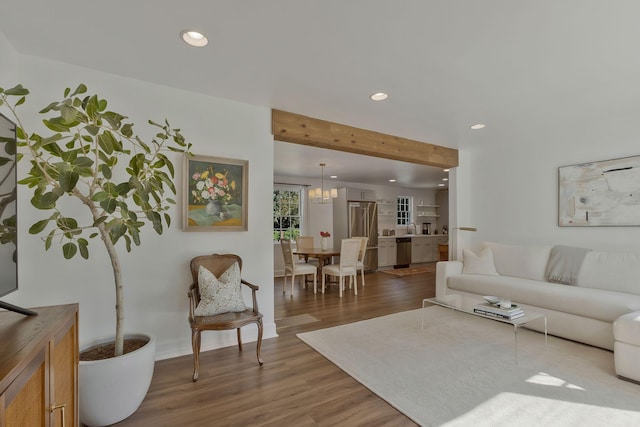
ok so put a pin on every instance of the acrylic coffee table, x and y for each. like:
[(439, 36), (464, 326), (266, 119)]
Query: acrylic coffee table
[(454, 302)]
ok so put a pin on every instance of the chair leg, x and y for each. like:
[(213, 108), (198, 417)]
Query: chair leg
[(323, 275), (355, 282), (315, 281), (195, 344), (362, 272), (239, 340), (284, 285), (259, 344), (293, 279), (341, 284)]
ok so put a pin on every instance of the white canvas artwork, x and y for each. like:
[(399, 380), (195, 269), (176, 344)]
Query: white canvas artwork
[(605, 193)]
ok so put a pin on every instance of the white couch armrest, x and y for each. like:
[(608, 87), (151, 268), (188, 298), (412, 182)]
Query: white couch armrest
[(444, 269)]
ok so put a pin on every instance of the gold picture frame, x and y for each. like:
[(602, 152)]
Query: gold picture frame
[(215, 194)]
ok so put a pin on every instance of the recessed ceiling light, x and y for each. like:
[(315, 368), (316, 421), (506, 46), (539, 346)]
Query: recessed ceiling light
[(445, 170), (392, 180), (379, 96), (445, 179), (478, 126), (194, 38), (440, 185), (334, 176)]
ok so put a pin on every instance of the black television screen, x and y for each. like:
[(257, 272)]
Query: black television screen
[(8, 210)]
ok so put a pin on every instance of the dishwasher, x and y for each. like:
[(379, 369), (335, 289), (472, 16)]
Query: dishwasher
[(403, 252)]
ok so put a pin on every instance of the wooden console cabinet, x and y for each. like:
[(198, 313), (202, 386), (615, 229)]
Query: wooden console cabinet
[(39, 368)]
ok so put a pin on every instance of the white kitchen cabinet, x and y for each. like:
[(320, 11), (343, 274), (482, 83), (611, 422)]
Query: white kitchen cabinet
[(382, 252), (391, 252), (361, 195), (420, 249), (386, 252)]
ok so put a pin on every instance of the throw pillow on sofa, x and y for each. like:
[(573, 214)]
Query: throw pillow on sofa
[(478, 264)]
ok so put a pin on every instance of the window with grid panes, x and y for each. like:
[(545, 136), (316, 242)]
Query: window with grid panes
[(404, 211), (287, 211)]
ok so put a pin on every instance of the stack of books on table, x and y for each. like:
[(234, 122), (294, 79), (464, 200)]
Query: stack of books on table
[(492, 310)]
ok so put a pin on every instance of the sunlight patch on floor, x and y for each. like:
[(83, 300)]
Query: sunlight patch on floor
[(549, 380)]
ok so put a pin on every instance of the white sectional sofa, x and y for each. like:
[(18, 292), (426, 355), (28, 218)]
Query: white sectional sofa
[(605, 287)]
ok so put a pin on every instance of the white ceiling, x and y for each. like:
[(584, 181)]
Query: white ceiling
[(511, 64)]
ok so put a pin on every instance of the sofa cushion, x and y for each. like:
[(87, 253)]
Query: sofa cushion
[(592, 303), (478, 264), (614, 271), (526, 262)]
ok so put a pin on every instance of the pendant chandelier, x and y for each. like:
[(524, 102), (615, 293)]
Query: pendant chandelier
[(320, 194)]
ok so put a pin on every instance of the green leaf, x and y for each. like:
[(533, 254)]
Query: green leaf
[(106, 171), (44, 201), (56, 125), (68, 180), (100, 196), (100, 220), (69, 250), (92, 107), (16, 91), (109, 205), (48, 108), (83, 245), (117, 230), (68, 114), (49, 239), (79, 90), (123, 188), (127, 241), (39, 226), (167, 219), (83, 162), (20, 101), (107, 142), (127, 130)]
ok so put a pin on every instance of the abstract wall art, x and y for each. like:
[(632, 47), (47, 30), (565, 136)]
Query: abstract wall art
[(603, 193)]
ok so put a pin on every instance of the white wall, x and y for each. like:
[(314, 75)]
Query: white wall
[(513, 186), (156, 274)]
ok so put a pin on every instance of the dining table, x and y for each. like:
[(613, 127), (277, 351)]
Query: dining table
[(324, 256)]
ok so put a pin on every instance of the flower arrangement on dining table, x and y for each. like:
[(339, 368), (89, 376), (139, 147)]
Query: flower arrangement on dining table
[(324, 242), (210, 185)]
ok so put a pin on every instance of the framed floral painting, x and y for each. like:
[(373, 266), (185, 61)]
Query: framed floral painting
[(215, 194)]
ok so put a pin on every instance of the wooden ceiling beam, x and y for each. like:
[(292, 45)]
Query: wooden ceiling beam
[(299, 129)]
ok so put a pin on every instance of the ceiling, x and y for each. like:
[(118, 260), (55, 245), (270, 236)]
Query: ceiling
[(515, 65)]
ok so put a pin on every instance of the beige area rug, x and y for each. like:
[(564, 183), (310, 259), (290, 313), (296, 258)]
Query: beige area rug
[(460, 370), (301, 319), (411, 270)]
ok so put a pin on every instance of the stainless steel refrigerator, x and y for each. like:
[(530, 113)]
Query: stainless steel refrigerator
[(357, 218), (363, 221)]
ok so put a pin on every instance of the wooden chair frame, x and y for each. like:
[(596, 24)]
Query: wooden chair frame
[(218, 264)]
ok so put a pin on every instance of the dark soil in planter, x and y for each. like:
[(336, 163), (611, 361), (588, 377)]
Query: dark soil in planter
[(106, 350)]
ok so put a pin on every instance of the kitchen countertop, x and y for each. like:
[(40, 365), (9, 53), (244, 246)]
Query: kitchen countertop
[(413, 235)]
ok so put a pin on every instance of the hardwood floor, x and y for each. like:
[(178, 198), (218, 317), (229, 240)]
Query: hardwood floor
[(296, 386)]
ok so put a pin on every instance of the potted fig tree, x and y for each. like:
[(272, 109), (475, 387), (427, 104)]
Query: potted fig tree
[(123, 182)]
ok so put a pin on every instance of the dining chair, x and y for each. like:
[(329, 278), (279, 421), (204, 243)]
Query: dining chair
[(363, 249), (293, 268), (224, 318), (349, 250), (304, 242)]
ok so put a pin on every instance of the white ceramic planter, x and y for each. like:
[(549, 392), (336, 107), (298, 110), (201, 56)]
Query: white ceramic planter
[(112, 389)]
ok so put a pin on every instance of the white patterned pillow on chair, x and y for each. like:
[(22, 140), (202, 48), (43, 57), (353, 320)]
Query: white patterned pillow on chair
[(219, 295)]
